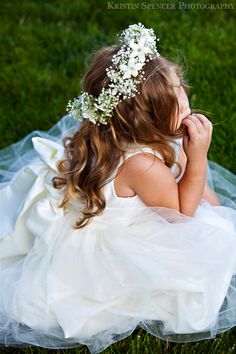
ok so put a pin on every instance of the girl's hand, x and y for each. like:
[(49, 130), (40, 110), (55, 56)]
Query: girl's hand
[(197, 142)]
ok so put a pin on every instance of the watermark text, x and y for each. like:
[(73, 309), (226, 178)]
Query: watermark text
[(111, 5)]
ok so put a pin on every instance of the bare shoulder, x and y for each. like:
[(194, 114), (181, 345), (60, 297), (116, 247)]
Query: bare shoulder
[(141, 161), (151, 180)]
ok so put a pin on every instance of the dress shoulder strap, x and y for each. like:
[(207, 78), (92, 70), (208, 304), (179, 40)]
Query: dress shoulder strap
[(136, 150), (140, 149)]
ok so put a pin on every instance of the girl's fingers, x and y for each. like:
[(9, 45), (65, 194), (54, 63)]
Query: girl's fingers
[(197, 122), (192, 128), (201, 122), (205, 122), (194, 123)]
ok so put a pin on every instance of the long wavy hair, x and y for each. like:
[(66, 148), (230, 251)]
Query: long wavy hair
[(147, 119)]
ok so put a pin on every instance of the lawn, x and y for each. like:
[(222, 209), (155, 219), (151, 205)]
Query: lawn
[(45, 49)]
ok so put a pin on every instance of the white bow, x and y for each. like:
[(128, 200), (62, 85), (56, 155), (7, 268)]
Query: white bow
[(49, 151)]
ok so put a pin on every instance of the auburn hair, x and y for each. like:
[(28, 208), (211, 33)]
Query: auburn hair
[(147, 119)]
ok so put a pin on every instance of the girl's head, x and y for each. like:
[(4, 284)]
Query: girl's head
[(158, 107), (156, 110), (151, 118)]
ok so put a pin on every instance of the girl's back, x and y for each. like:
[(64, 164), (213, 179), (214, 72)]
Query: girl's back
[(118, 189)]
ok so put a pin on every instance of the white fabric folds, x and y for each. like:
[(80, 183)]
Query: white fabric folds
[(172, 275)]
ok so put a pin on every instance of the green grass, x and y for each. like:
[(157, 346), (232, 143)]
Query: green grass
[(140, 342), (47, 45), (45, 48)]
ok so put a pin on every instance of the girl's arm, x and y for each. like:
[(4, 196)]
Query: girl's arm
[(191, 186), (208, 193)]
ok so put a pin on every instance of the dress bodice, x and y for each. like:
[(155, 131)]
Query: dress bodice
[(109, 189)]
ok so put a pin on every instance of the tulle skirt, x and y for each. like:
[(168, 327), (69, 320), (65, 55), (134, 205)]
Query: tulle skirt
[(172, 275)]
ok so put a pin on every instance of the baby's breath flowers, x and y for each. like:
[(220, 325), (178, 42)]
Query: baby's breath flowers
[(125, 73)]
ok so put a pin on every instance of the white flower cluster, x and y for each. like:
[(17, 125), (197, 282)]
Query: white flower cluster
[(138, 46)]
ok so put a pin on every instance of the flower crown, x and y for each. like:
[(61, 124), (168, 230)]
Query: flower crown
[(138, 46)]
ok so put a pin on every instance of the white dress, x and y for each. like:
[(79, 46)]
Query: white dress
[(132, 266)]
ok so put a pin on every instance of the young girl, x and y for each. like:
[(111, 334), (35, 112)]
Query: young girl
[(124, 224)]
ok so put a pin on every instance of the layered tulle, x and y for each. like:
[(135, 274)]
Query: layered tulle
[(173, 275), (95, 286)]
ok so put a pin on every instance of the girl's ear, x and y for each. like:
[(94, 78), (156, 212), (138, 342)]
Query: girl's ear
[(49, 151)]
